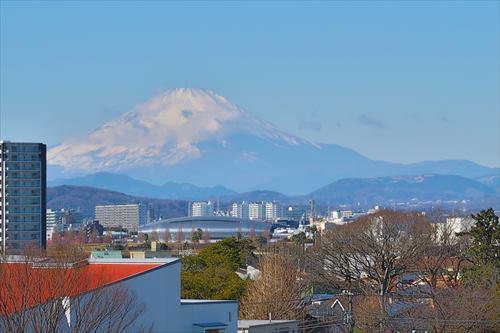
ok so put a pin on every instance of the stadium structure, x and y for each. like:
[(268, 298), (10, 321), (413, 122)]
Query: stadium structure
[(217, 227)]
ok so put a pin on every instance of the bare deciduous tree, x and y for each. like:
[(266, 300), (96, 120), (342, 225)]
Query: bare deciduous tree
[(407, 272), (179, 236), (206, 236), (63, 295), (167, 236), (370, 253), (94, 236), (141, 238), (276, 292), (154, 235)]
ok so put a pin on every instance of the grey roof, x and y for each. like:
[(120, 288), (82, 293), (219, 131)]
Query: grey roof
[(133, 260), (228, 219), (217, 226), (205, 301), (251, 323), (210, 325)]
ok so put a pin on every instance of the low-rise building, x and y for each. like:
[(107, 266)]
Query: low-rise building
[(155, 284), (294, 213), (106, 254)]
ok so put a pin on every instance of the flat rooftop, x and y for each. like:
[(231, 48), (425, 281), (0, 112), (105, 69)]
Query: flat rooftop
[(204, 301), (252, 323)]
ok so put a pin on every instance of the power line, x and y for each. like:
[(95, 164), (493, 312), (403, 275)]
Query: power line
[(345, 321), (299, 300)]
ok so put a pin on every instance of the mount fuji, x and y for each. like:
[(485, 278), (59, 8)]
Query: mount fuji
[(199, 137)]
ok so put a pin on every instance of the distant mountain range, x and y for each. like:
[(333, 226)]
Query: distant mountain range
[(86, 198), (196, 136), (131, 186), (492, 181), (424, 188), (428, 189)]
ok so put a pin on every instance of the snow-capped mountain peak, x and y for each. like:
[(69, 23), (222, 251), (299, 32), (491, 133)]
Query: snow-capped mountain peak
[(199, 137), (167, 129)]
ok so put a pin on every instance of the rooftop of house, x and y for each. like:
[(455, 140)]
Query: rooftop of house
[(34, 282), (252, 323)]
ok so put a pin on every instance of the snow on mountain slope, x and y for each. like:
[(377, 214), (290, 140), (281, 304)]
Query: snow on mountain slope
[(165, 130), (199, 137)]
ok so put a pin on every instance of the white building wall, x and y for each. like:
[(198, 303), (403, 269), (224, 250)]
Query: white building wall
[(126, 216), (256, 211), (335, 215), (202, 208), (51, 218), (273, 211), (160, 291), (454, 226), (236, 210), (346, 214), (240, 210)]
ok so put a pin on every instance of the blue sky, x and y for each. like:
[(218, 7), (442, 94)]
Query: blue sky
[(396, 81)]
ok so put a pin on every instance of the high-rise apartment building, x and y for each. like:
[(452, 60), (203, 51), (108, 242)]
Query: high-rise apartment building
[(273, 211), (202, 208), (52, 219), (256, 211), (235, 210), (129, 217), (240, 210), (23, 195)]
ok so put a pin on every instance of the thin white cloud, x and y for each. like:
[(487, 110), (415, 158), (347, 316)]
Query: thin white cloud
[(371, 121)]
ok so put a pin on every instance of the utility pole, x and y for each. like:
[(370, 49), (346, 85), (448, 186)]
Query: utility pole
[(349, 316)]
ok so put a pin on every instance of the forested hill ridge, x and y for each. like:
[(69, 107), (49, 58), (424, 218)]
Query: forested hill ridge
[(86, 198), (419, 191), (131, 186), (420, 188)]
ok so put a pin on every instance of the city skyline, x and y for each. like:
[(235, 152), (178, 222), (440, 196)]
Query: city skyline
[(249, 166), (374, 87)]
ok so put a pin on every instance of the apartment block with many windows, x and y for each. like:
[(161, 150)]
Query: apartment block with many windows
[(129, 217), (23, 195)]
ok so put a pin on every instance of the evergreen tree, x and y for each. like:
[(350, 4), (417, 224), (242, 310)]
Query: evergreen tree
[(211, 274), (485, 235), (484, 250), (196, 235)]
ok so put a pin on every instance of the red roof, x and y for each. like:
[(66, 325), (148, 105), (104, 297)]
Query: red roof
[(24, 286)]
